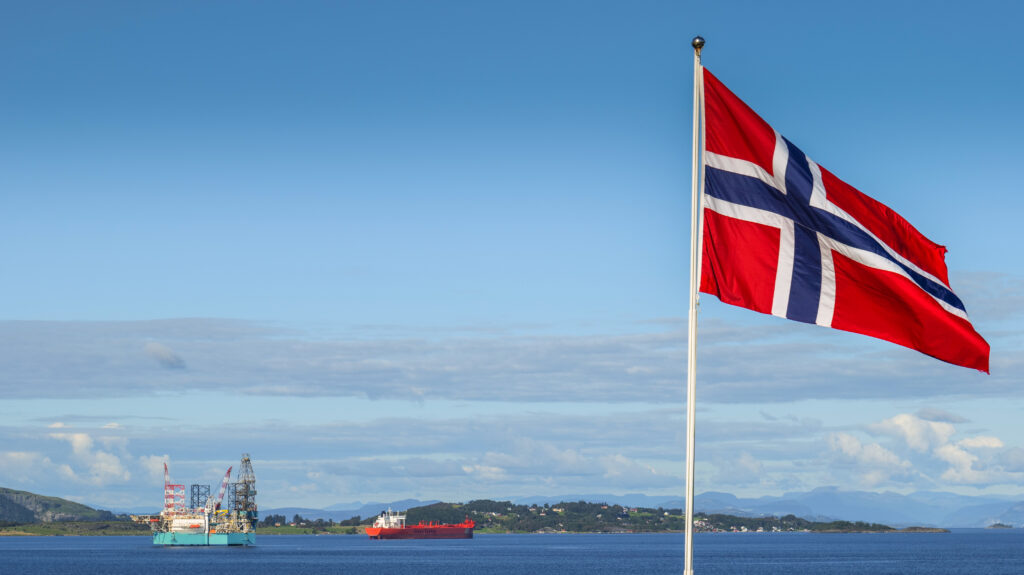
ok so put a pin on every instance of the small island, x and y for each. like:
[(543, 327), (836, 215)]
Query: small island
[(923, 530)]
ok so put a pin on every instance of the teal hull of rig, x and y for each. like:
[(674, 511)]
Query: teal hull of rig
[(194, 539)]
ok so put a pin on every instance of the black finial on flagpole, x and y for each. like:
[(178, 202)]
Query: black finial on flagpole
[(698, 43)]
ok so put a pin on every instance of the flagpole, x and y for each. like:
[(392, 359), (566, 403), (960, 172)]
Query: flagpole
[(691, 356)]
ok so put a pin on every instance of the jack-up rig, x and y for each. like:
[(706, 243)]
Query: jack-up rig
[(204, 521)]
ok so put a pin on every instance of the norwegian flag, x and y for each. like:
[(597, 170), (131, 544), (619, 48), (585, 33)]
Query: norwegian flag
[(783, 236)]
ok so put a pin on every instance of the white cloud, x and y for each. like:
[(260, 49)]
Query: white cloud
[(81, 443), (743, 469), (872, 463), (955, 456), (107, 467), (530, 456), (974, 460), (962, 470), (101, 467), (981, 442), (748, 464), (31, 468), (153, 466), (919, 434), (486, 472), (967, 468), (23, 466), (871, 454), (620, 470)]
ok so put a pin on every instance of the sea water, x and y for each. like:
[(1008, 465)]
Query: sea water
[(966, 551)]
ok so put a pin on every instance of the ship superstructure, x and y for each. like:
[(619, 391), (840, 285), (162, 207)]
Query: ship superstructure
[(203, 521)]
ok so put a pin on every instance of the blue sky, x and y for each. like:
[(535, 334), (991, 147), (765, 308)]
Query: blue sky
[(439, 249)]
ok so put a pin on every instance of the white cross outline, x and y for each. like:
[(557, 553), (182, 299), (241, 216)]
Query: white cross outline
[(787, 238)]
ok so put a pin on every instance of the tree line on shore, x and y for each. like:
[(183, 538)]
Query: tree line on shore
[(586, 517)]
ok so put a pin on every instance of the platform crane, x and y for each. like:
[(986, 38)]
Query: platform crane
[(214, 504)]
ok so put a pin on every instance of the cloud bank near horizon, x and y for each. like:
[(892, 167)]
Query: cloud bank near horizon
[(462, 458), (770, 362)]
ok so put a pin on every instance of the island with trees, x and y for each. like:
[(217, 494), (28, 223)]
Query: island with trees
[(580, 517)]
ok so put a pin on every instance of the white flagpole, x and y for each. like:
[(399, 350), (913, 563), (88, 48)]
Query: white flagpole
[(695, 240)]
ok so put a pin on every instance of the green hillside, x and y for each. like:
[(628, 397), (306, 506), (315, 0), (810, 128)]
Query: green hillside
[(24, 507), (584, 517)]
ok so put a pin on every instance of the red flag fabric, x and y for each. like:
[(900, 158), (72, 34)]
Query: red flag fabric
[(784, 236)]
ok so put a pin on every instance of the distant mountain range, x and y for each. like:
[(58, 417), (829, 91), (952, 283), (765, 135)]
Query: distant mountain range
[(343, 511), (923, 508), (25, 507)]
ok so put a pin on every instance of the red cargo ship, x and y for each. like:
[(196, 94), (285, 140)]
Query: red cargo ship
[(391, 525)]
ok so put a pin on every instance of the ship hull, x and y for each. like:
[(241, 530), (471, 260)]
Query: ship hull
[(426, 532), (192, 539)]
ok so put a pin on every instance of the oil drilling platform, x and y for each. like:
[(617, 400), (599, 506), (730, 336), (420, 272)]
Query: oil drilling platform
[(203, 521)]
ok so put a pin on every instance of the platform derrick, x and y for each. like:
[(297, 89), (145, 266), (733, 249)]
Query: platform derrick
[(245, 493)]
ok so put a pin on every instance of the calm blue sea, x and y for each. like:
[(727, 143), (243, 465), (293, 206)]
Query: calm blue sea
[(967, 551)]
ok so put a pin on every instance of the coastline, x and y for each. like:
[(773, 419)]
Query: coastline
[(44, 530)]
